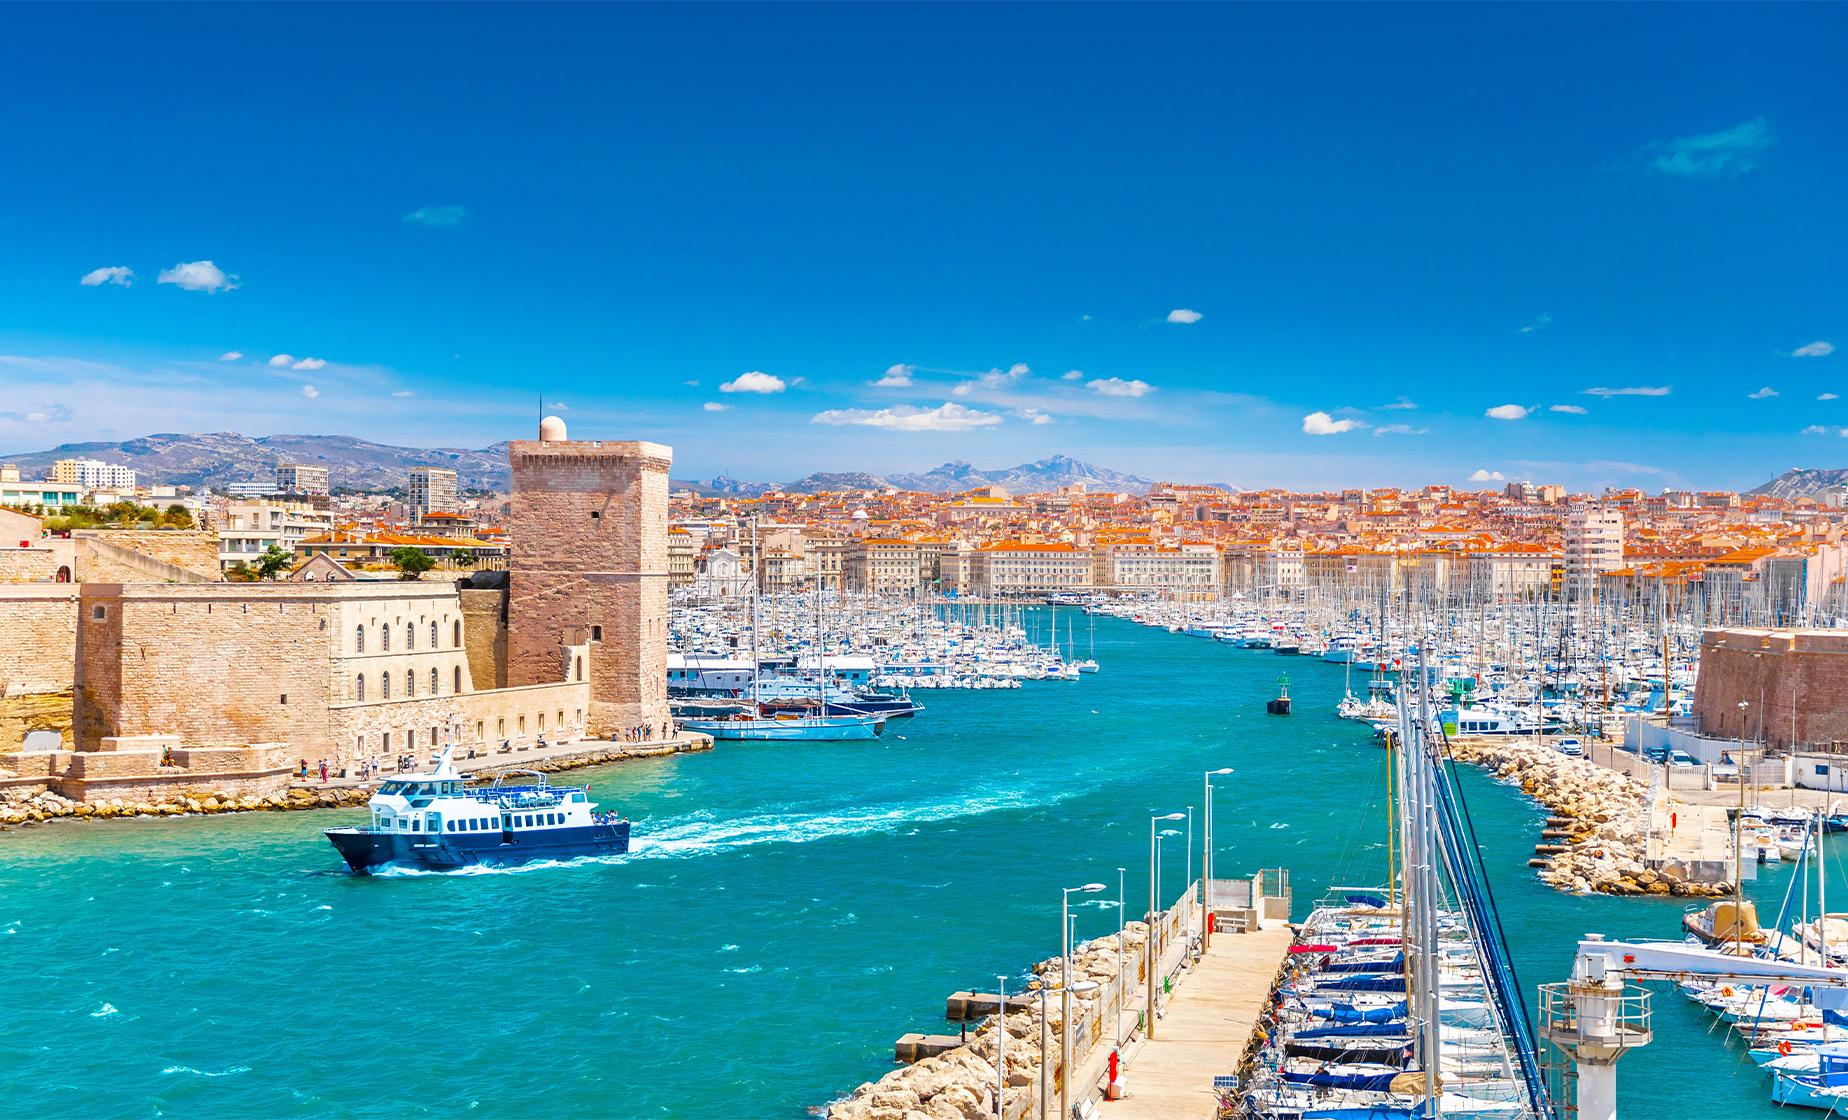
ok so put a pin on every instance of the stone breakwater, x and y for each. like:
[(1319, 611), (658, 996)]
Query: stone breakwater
[(37, 808), (960, 1083), (1606, 815), (50, 806)]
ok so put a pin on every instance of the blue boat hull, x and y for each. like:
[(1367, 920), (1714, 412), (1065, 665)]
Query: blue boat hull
[(366, 851)]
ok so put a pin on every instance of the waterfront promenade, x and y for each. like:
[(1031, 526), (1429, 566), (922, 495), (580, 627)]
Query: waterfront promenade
[(1203, 1032)]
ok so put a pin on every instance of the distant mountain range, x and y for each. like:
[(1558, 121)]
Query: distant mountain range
[(1803, 482), (217, 459)]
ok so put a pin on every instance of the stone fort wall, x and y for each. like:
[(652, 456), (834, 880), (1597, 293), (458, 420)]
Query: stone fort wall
[(589, 564), (1794, 684), (38, 631)]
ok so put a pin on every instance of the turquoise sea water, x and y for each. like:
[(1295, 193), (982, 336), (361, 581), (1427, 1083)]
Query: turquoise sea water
[(789, 911)]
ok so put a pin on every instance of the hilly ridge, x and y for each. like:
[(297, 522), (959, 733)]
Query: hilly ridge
[(217, 459)]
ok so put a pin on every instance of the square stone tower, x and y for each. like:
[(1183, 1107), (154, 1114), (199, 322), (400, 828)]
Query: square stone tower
[(589, 565)]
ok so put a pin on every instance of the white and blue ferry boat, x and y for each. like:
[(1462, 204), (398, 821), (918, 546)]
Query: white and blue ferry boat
[(435, 822)]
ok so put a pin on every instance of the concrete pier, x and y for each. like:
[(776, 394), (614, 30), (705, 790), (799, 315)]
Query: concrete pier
[(1204, 1031)]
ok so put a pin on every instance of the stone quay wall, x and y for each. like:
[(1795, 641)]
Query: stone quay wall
[(589, 565), (1794, 684)]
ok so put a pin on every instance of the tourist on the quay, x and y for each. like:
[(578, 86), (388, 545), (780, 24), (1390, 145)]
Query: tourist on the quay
[(324, 771), (303, 771)]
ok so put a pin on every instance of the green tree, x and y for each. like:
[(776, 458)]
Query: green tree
[(273, 561), (411, 562), (465, 560), (177, 517), (240, 572)]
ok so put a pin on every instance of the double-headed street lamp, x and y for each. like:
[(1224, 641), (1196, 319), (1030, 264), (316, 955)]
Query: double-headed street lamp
[(1001, 1048), (1148, 944), (1206, 854), (1065, 1000)]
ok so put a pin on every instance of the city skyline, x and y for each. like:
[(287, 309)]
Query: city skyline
[(1291, 247)]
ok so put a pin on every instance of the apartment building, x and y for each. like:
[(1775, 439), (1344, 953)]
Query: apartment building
[(433, 490)]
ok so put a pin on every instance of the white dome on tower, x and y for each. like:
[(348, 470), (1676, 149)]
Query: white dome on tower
[(552, 430)]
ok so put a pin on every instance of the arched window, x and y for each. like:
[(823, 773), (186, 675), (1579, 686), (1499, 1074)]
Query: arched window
[(410, 683), (434, 686), (458, 634), (410, 635), (359, 687), (359, 639), (433, 633), (458, 678), (384, 686), (385, 638)]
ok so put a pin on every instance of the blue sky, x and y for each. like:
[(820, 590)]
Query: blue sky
[(1201, 242)]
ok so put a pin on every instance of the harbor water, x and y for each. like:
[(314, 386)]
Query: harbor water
[(789, 909)]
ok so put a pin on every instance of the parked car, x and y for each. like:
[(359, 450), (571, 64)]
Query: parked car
[(1571, 748), (1655, 754), (1681, 758)]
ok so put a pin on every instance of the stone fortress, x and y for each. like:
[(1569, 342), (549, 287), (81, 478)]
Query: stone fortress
[(131, 671)]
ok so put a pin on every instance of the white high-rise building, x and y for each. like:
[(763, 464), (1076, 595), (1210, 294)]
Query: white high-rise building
[(433, 490), (1593, 543)]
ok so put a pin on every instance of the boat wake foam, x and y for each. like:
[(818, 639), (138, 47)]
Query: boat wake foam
[(703, 833), (226, 1072)]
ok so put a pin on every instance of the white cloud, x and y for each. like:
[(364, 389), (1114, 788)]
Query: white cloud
[(691, 384), (403, 393), (197, 276), (282, 361), (1819, 430), (309, 363), (1072, 375), (897, 376), (231, 356), (119, 276), (1482, 475), (1540, 323), (1184, 315), (1817, 349), (755, 381), (1508, 412), (1322, 424), (43, 414), (310, 392), (1569, 409), (559, 406), (1728, 152), (441, 216), (1402, 403), (1399, 430), (715, 406), (1018, 369), (1828, 396), (1763, 394), (1034, 416), (1632, 391), (962, 389), (1117, 387), (947, 417)]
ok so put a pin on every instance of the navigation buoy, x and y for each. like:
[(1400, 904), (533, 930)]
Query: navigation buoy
[(1281, 705)]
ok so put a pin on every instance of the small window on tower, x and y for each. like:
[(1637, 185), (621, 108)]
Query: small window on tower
[(596, 633)]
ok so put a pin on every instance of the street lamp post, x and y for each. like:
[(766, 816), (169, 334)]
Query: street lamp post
[(1148, 943), (1001, 1049), (1065, 1000), (1117, 1031), (1206, 853), (1187, 876)]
